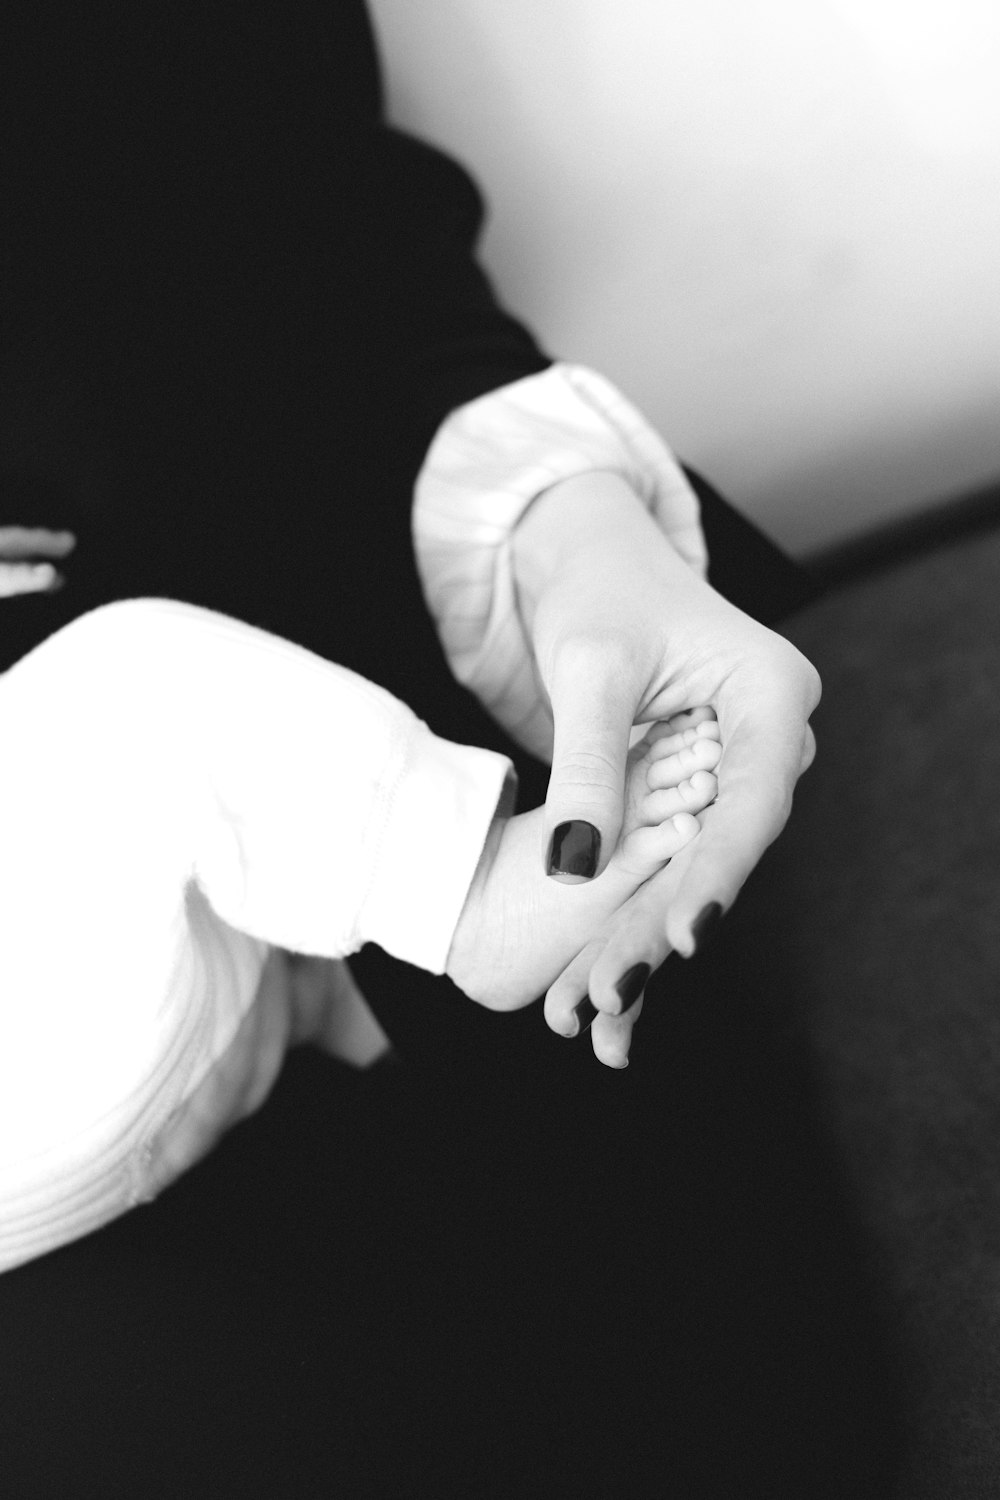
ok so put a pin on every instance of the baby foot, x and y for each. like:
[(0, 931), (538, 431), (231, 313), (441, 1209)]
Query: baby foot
[(519, 928)]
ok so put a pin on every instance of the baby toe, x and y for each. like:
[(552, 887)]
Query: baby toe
[(662, 740), (699, 790), (646, 850), (692, 795), (701, 755)]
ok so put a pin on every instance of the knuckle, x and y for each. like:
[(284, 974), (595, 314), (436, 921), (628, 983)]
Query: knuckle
[(589, 773)]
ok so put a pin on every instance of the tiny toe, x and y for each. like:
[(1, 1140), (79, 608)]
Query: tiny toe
[(680, 830), (668, 744), (699, 790), (666, 772), (702, 755), (688, 716), (663, 804), (663, 732), (646, 849), (691, 795)]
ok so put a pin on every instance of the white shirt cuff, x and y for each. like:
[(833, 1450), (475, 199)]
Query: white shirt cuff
[(429, 847), (489, 460), (185, 790)]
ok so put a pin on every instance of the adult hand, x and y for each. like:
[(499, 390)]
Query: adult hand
[(625, 633), (632, 942)]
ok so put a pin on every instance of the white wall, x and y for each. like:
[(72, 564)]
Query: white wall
[(776, 223)]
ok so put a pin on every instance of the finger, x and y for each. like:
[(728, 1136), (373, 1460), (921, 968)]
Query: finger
[(611, 972), (27, 578), (568, 1012), (18, 542), (633, 946), (567, 1008), (611, 1036), (760, 765), (584, 805)]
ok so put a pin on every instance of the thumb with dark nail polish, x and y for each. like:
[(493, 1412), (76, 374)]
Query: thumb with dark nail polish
[(575, 849)]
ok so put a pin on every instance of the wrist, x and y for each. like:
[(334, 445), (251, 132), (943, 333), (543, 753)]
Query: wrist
[(590, 509)]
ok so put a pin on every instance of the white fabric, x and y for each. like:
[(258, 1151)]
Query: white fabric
[(489, 461), (181, 793)]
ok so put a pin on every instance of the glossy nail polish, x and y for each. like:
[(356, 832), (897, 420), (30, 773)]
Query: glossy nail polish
[(705, 924), (632, 984), (585, 1010), (575, 849)]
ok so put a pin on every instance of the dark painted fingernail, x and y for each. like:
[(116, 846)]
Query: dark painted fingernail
[(585, 1011), (575, 849), (702, 929), (632, 984)]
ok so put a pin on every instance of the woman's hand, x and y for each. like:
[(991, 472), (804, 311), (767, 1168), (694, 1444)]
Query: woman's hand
[(22, 548), (624, 633)]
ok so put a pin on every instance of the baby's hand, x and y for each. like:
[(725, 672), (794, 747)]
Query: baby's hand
[(519, 928), (20, 547)]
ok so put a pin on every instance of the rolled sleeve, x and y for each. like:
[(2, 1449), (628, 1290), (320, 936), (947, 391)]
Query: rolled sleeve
[(488, 462), (433, 833)]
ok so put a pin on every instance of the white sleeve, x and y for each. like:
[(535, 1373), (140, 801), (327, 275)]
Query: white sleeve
[(489, 460), (181, 793), (330, 815)]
